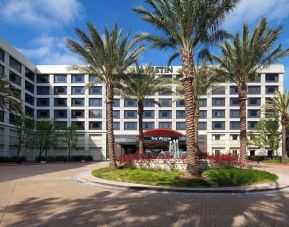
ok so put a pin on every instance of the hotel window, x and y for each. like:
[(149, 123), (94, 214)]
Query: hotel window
[(77, 78), (165, 125), (43, 102), (77, 113), (60, 90), (180, 103), (180, 114), (216, 137), (95, 102), (13, 119), (202, 125), (272, 77), (43, 114), (1, 116), (235, 125), (203, 102), (254, 89), (29, 111), (60, 125), (149, 103), (130, 125), (94, 79), (60, 113), (29, 99), (29, 74), (95, 113), (116, 126), (15, 64), (60, 78), (271, 89), (218, 90), (116, 103), (233, 90), (16, 91), (234, 137), (254, 101), (165, 102), (253, 113), (130, 114), (234, 113), (252, 124), (97, 90), (60, 102), (234, 102), (95, 125), (255, 79), (218, 125), (202, 114), (181, 125), (165, 114), (2, 70), (29, 86), (42, 78), (77, 102), (78, 124), (167, 91), (148, 125), (148, 114), (13, 77), (77, 90), (2, 55), (130, 103), (116, 114), (218, 113), (252, 152), (218, 101)]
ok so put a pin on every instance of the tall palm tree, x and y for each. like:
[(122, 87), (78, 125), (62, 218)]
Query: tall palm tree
[(108, 57), (241, 60), (280, 102), (7, 97), (187, 27), (139, 84)]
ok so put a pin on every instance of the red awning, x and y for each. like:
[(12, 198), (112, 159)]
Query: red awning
[(163, 132)]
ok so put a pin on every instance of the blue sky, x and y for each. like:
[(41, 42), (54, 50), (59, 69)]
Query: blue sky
[(39, 28)]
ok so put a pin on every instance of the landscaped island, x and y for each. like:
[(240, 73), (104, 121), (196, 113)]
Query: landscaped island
[(212, 177)]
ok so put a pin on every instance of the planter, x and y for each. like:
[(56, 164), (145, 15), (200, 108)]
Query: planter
[(43, 162)]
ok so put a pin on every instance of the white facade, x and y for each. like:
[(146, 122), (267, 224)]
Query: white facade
[(217, 115)]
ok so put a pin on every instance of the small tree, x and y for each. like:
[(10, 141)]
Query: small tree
[(70, 138)]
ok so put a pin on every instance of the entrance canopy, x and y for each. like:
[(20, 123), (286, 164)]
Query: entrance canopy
[(163, 132)]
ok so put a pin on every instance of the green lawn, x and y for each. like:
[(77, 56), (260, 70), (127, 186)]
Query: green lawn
[(210, 178), (275, 161)]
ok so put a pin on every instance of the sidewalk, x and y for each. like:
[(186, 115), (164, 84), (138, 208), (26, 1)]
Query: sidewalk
[(87, 178)]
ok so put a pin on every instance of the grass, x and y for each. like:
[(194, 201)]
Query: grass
[(275, 161), (214, 177)]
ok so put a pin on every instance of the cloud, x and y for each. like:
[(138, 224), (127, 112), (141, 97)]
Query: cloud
[(41, 13), (49, 50), (252, 10)]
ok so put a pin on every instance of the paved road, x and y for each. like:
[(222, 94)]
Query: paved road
[(45, 195)]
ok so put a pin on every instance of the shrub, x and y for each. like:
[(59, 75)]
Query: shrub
[(12, 159), (65, 158), (127, 160), (223, 160)]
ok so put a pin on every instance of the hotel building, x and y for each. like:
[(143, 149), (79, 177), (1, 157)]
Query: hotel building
[(54, 92)]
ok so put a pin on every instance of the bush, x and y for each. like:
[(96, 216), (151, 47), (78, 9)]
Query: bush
[(223, 160), (127, 160), (12, 159), (263, 157), (65, 158)]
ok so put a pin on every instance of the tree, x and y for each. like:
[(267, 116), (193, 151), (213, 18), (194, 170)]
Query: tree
[(242, 59), (280, 102), (187, 27), (70, 138), (140, 83), (108, 57), (266, 134), (7, 97)]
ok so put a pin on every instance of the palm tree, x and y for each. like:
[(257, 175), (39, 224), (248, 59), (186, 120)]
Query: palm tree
[(108, 57), (7, 97), (280, 102), (241, 60), (139, 84), (187, 27)]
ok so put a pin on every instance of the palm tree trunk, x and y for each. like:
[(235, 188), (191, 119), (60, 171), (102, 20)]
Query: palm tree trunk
[(109, 117), (283, 159), (140, 126), (243, 124), (196, 122), (188, 76)]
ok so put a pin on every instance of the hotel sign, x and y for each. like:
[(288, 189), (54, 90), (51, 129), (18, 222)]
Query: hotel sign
[(163, 138), (163, 69)]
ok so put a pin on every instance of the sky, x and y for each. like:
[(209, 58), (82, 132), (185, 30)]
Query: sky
[(39, 28)]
